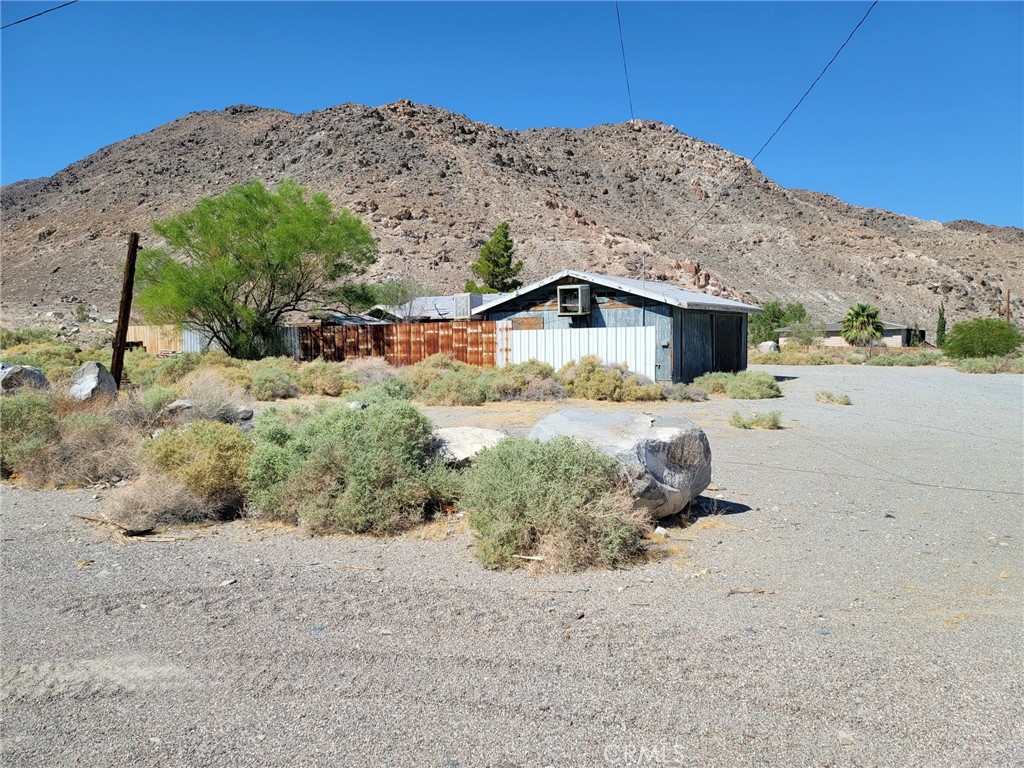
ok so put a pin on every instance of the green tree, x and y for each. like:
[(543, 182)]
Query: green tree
[(764, 326), (861, 325), (236, 263), (982, 337), (494, 266), (940, 327)]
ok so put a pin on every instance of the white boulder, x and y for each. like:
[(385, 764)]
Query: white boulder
[(665, 460), (92, 379), (458, 445)]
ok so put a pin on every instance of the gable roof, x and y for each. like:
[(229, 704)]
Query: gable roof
[(649, 289)]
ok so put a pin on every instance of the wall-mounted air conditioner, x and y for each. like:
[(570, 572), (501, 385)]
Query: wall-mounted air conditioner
[(574, 299)]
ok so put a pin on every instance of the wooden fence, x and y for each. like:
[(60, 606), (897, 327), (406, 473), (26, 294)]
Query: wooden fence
[(156, 339), (472, 342)]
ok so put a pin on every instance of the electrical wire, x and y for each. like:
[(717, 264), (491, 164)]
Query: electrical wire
[(636, 142), (743, 165), (37, 15)]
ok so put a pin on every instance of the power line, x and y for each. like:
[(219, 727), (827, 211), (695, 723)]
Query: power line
[(41, 13), (636, 142), (625, 70), (764, 146)]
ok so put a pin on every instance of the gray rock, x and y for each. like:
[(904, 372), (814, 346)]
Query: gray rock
[(176, 409), (767, 346), (666, 460), (458, 445), (14, 377), (92, 379), (356, 405), (241, 413)]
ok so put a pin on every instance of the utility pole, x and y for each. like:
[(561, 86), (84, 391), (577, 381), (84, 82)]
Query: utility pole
[(1007, 305), (125, 309)]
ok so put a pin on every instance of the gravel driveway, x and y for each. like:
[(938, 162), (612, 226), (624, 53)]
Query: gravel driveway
[(856, 599)]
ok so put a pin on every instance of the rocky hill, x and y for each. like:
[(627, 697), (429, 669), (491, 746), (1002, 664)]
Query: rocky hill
[(432, 185)]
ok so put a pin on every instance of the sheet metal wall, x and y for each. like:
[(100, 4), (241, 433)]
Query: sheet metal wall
[(610, 309), (633, 346)]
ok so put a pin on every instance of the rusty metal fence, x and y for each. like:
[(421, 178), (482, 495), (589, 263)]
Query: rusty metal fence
[(473, 342)]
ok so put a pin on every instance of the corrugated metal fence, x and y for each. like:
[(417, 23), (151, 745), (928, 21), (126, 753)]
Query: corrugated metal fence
[(401, 343)]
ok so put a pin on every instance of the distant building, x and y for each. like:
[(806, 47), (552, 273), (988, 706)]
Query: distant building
[(660, 330), (831, 335)]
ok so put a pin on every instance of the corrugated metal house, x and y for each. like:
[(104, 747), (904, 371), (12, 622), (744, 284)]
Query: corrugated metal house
[(657, 329), (831, 335)]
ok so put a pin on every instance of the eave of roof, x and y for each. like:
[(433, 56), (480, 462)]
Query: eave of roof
[(662, 292)]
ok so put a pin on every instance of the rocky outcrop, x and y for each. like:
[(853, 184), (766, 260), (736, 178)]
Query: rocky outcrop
[(432, 185), (665, 460)]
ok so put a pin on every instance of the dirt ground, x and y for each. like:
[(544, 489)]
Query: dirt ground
[(853, 596)]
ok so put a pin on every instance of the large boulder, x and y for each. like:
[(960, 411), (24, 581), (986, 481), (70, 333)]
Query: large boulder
[(14, 377), (92, 380), (767, 346), (457, 446), (666, 460)]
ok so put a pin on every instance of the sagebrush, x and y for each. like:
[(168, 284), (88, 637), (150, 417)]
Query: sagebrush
[(560, 501)]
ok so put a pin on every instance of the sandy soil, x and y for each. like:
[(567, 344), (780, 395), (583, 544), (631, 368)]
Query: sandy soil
[(856, 599)]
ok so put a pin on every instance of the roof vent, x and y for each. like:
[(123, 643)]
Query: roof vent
[(574, 300)]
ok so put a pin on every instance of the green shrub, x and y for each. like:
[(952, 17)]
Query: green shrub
[(455, 387), (1006, 364), (57, 359), (391, 388), (745, 385), (424, 373), (907, 359), (590, 380), (323, 378), (752, 385), (770, 420), (684, 393), (172, 369), (156, 397), (208, 457), (833, 399), (28, 425), (272, 384), (13, 337), (982, 337), (713, 383), (336, 469), (558, 500)]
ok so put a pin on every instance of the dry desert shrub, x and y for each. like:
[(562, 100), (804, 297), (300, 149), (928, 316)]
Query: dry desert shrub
[(156, 501), (555, 506), (368, 370), (589, 379)]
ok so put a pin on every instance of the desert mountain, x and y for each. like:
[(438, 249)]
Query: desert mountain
[(432, 185)]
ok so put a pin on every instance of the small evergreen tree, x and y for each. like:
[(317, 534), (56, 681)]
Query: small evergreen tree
[(940, 327), (494, 267)]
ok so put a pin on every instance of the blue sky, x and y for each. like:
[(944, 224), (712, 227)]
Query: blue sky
[(922, 114)]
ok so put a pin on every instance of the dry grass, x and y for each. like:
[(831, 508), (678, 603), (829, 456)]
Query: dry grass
[(833, 399), (770, 420)]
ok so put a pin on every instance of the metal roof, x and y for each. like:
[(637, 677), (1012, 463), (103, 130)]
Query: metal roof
[(428, 307), (662, 292)]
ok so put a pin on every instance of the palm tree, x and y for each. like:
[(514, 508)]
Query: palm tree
[(861, 325)]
